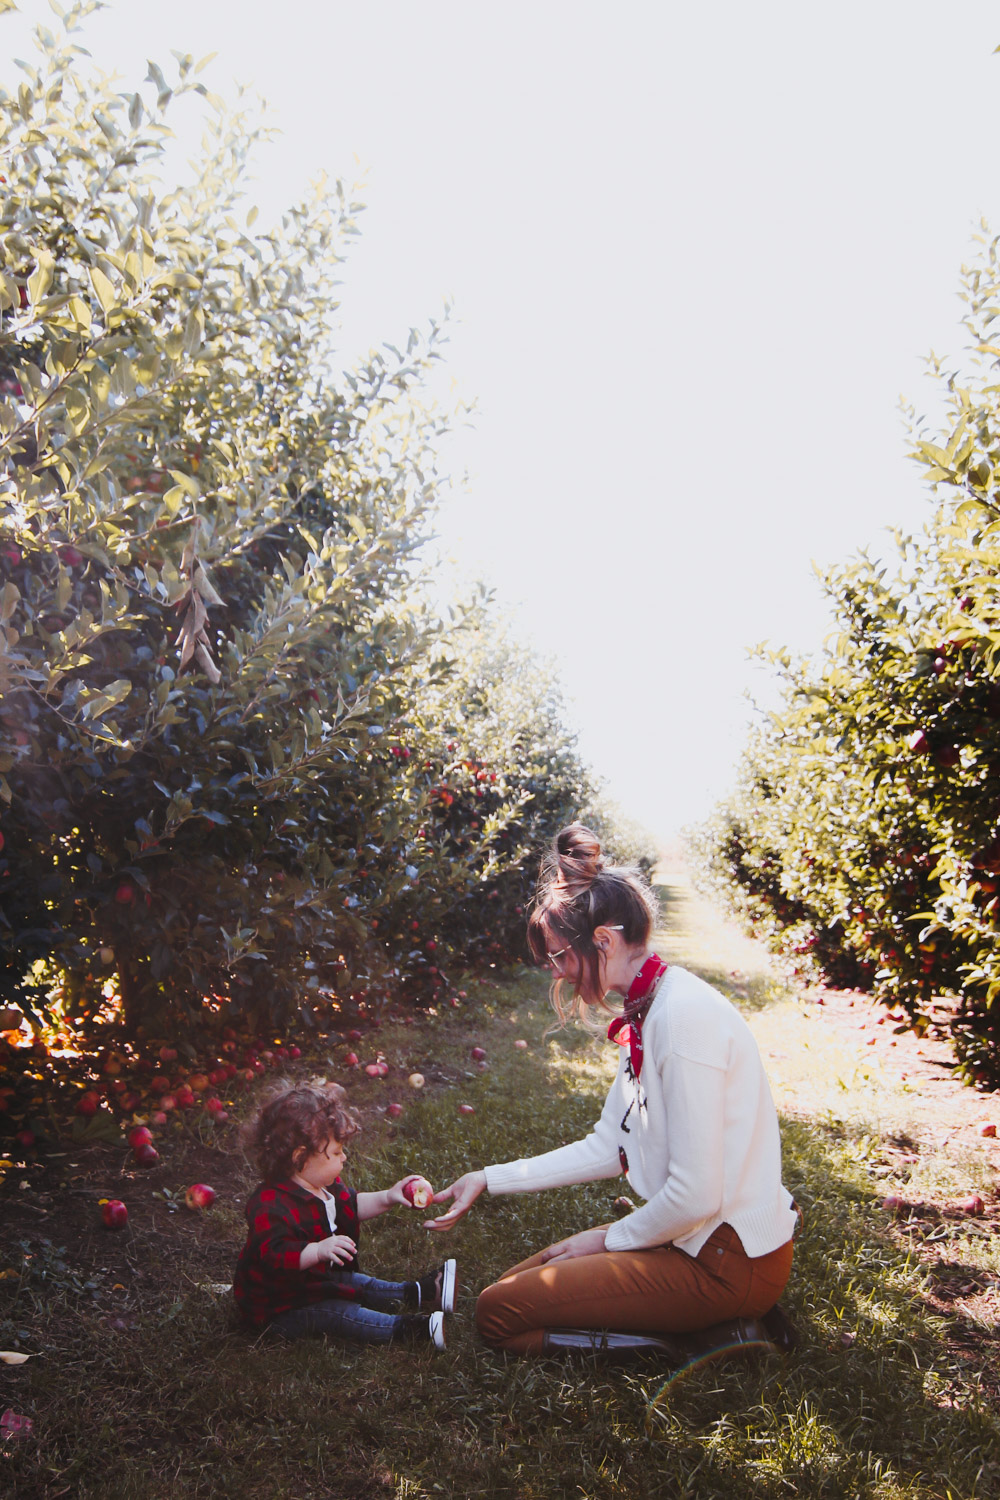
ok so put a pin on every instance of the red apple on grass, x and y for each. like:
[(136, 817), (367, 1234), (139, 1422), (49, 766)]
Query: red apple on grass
[(114, 1213), (140, 1135), (973, 1205), (394, 1109), (894, 1204), (351, 1060), (478, 1054), (146, 1155), (467, 1109), (199, 1195), (88, 1103)]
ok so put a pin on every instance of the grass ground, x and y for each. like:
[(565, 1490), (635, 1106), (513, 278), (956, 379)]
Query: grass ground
[(142, 1387)]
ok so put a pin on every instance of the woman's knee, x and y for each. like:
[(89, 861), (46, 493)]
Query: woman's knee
[(493, 1315)]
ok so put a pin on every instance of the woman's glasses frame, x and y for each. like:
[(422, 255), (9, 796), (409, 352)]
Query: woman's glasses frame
[(553, 958)]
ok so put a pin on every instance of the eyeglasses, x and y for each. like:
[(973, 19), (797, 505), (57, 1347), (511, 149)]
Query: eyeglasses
[(553, 958)]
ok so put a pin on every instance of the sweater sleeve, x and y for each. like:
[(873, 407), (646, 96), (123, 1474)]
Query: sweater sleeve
[(693, 1191), (586, 1160)]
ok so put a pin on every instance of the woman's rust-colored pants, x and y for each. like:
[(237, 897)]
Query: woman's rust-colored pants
[(662, 1290)]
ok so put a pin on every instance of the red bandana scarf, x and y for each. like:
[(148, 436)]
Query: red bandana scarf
[(628, 1027)]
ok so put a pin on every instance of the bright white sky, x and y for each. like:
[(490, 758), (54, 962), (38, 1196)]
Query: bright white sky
[(696, 253)]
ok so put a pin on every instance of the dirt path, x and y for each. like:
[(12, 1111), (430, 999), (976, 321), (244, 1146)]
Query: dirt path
[(835, 1054)]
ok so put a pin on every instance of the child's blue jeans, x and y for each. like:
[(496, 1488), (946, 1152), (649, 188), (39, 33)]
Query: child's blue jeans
[(360, 1319)]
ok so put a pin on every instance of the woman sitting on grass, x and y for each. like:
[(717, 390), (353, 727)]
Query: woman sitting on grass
[(689, 1119), (298, 1271)]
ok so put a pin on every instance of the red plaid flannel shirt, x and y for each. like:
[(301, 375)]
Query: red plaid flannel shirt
[(282, 1219)]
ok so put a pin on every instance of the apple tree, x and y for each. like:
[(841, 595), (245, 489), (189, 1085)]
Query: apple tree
[(864, 840)]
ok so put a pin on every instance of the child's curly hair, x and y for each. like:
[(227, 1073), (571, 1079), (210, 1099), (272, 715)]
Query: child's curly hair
[(295, 1123)]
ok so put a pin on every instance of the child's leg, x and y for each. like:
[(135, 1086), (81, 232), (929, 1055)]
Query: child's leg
[(660, 1290), (349, 1320), (372, 1291)]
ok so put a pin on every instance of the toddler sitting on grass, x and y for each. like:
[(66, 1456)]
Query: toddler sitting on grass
[(298, 1271)]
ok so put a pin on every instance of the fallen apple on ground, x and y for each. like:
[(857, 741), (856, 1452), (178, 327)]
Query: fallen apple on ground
[(894, 1204), (140, 1135), (394, 1109), (478, 1054), (467, 1109), (114, 1213), (520, 1042), (146, 1155), (416, 1080), (199, 1195)]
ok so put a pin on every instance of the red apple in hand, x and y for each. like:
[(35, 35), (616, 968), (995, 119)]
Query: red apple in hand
[(114, 1213), (418, 1192), (199, 1195)]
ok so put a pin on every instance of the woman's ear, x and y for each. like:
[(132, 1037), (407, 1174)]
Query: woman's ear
[(603, 937)]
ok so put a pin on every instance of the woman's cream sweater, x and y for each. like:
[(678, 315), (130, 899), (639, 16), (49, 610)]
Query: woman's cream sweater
[(696, 1133)]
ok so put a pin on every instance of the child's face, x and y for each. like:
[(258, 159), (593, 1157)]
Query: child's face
[(320, 1168)]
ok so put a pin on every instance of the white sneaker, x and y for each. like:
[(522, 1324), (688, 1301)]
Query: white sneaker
[(449, 1281), (435, 1327)]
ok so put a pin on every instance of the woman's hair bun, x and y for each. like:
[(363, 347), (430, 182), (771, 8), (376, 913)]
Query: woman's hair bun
[(578, 855)]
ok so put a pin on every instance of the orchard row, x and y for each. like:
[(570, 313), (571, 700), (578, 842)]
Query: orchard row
[(864, 839), (249, 775)]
